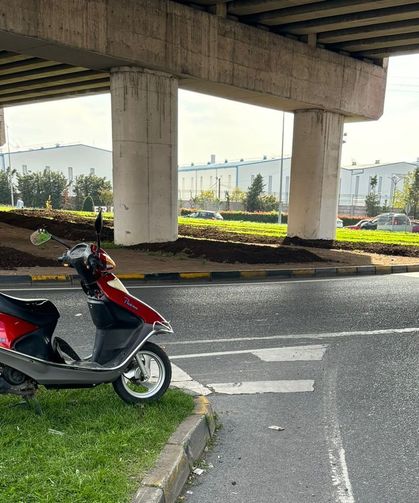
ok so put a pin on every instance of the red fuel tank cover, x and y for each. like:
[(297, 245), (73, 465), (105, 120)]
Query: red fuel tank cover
[(11, 328)]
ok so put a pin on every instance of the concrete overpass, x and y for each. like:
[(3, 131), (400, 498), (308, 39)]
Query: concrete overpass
[(322, 60)]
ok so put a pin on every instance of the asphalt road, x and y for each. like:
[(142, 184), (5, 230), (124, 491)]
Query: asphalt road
[(335, 362)]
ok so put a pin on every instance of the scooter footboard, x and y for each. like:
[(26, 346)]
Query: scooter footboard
[(44, 372), (79, 373)]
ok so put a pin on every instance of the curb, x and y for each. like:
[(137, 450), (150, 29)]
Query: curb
[(37, 279), (165, 482)]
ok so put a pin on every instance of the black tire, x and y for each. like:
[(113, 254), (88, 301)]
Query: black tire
[(163, 363)]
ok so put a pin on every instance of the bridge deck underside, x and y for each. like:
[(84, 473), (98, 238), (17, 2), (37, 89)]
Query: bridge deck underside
[(372, 29), (26, 78)]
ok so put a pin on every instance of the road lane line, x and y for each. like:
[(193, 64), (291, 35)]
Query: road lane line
[(255, 387), (322, 335), (339, 470), (208, 285), (286, 354)]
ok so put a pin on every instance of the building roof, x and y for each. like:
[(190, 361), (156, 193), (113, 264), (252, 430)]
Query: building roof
[(229, 164), (54, 147)]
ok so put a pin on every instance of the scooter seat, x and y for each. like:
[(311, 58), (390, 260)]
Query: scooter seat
[(40, 312)]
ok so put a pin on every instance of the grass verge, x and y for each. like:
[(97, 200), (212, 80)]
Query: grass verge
[(280, 231), (87, 445)]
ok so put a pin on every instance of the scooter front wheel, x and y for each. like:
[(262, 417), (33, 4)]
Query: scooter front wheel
[(148, 376)]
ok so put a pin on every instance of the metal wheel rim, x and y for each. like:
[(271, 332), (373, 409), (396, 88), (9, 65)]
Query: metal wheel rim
[(153, 390)]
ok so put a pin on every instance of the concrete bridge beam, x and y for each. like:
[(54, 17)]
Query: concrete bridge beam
[(314, 187), (144, 135)]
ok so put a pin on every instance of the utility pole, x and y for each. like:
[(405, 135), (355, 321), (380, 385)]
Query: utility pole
[(281, 171), (219, 187), (10, 173)]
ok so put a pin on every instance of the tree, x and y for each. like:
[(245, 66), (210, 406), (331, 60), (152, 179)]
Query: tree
[(88, 204), (253, 200), (372, 201), (413, 192), (408, 197), (237, 195), (4, 188), (269, 203), (205, 197), (36, 188), (91, 185), (106, 197)]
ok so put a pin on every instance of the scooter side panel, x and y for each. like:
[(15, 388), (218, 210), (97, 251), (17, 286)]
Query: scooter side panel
[(44, 372), (12, 328)]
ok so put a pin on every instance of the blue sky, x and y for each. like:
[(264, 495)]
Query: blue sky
[(228, 129)]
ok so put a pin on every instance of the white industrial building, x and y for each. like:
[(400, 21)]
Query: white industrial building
[(71, 160), (355, 180)]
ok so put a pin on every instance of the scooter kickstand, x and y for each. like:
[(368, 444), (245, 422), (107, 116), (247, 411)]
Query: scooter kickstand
[(34, 404)]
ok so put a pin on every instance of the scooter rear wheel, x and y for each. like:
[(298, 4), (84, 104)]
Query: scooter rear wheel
[(148, 376)]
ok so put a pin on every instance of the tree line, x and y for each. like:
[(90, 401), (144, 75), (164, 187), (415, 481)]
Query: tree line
[(406, 199), (36, 189)]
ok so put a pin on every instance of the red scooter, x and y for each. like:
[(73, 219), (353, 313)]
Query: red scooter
[(31, 355)]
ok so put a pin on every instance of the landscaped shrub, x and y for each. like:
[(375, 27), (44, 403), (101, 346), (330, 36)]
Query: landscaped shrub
[(351, 220), (269, 217), (88, 204)]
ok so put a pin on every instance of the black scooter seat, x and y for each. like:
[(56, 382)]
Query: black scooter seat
[(40, 312)]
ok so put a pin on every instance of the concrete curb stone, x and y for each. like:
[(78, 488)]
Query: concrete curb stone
[(256, 274), (164, 483)]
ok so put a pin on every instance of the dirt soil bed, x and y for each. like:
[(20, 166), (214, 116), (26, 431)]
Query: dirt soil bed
[(63, 225), (207, 243), (10, 259), (222, 251), (380, 248)]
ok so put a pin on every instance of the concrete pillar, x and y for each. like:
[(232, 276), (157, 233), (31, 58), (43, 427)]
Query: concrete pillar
[(2, 128), (144, 136), (315, 165)]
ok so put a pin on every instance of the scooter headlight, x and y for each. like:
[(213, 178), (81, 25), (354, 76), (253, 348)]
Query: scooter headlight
[(110, 264)]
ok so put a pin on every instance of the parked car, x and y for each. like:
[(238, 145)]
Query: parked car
[(358, 224), (209, 215), (395, 222), (369, 225), (339, 223), (415, 226)]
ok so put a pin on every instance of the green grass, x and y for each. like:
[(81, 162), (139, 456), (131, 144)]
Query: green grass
[(105, 448), (275, 230), (279, 231)]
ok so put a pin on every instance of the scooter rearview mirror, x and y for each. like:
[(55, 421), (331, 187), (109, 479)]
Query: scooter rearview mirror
[(40, 237), (99, 223)]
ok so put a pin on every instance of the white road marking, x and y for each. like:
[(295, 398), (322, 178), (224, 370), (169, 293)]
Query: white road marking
[(322, 335), (339, 471), (292, 353), (286, 354), (254, 387), (182, 380), (410, 274)]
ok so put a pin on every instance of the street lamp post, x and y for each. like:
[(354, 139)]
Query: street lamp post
[(281, 171), (10, 171)]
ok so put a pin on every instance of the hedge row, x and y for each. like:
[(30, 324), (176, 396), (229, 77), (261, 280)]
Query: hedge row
[(268, 217)]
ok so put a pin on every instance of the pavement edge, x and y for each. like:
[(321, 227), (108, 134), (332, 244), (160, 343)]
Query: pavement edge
[(255, 274), (165, 482)]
